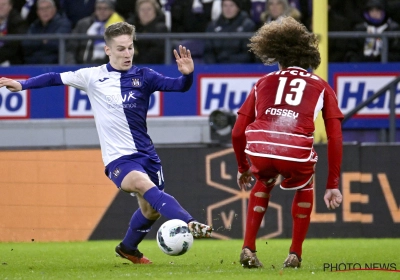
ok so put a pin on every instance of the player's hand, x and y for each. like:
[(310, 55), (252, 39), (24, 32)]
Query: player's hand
[(184, 60), (333, 198), (244, 179), (10, 84)]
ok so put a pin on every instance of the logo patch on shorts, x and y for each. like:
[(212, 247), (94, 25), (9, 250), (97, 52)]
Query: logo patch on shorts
[(116, 172)]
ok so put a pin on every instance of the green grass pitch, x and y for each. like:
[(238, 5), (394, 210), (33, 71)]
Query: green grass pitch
[(207, 259)]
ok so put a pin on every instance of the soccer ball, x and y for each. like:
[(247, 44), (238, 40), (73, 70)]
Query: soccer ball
[(174, 237)]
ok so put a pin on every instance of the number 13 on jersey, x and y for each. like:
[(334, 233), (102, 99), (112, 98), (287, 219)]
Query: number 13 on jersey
[(297, 86)]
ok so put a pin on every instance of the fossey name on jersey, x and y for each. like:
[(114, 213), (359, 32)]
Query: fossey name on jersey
[(282, 112)]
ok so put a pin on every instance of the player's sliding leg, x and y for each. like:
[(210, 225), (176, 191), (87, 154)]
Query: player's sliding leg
[(301, 212), (258, 204), (170, 208)]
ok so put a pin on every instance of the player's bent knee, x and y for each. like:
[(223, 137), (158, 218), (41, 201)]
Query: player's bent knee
[(136, 181)]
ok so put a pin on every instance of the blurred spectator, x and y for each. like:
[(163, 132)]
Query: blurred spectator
[(189, 15), (77, 9), (394, 8), (232, 19), (376, 21), (277, 8), (246, 5), (305, 9), (149, 19), (10, 23), (126, 8), (18, 4), (27, 9), (48, 22), (256, 9), (337, 47), (92, 51), (351, 10)]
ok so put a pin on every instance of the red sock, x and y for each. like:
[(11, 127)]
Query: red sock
[(258, 204), (301, 211)]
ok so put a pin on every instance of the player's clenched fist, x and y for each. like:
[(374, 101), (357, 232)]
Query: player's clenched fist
[(333, 198)]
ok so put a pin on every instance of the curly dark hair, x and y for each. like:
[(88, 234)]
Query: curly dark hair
[(287, 42)]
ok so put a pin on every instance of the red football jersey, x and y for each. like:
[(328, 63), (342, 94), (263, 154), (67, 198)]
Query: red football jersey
[(284, 105)]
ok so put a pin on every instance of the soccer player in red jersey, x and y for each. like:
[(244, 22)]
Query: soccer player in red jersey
[(274, 130)]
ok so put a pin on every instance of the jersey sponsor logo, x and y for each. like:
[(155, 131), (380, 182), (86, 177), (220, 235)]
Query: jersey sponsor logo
[(295, 72), (117, 99), (354, 88), (224, 91), (78, 104), (136, 82), (14, 105), (103, 79)]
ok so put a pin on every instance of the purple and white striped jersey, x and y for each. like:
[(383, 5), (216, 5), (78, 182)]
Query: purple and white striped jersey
[(120, 101)]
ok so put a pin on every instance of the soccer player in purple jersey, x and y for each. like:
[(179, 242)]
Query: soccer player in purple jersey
[(119, 94)]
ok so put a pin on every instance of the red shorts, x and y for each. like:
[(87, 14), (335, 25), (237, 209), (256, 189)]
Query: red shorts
[(295, 174)]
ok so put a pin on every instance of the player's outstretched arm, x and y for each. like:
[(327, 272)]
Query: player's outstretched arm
[(10, 84), (184, 60), (333, 198)]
